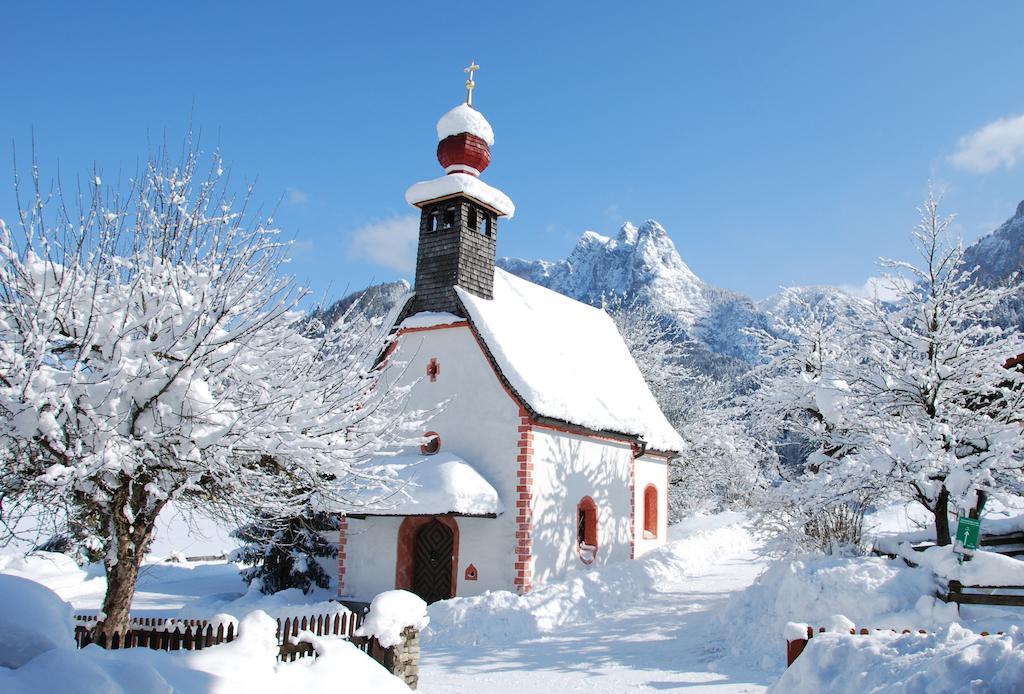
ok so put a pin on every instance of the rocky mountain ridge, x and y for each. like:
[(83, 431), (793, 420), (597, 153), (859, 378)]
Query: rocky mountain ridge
[(643, 262)]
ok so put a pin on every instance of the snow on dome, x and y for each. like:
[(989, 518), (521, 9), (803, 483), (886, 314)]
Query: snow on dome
[(465, 119), (428, 485), (460, 183), (567, 360)]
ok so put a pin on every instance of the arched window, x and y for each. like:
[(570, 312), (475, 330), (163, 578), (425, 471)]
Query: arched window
[(433, 444), (586, 530), (650, 512)]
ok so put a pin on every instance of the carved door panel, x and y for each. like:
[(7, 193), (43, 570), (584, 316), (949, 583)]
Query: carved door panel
[(432, 569)]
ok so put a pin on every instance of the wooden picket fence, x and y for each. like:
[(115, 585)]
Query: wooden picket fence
[(794, 647), (169, 634)]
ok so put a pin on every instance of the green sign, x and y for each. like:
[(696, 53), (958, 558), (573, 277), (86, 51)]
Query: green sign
[(967, 532)]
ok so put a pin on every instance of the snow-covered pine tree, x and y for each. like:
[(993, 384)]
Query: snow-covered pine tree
[(285, 553), (150, 351)]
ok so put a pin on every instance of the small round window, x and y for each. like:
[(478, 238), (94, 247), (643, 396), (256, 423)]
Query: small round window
[(433, 444)]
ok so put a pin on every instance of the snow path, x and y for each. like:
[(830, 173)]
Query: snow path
[(671, 640)]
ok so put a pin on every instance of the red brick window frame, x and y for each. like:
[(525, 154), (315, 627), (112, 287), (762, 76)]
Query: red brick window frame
[(433, 444), (650, 512), (586, 530)]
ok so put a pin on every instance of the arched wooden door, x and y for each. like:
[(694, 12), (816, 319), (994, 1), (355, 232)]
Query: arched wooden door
[(432, 567)]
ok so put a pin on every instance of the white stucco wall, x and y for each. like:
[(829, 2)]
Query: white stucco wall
[(372, 556), (566, 468), (479, 424), (650, 470)]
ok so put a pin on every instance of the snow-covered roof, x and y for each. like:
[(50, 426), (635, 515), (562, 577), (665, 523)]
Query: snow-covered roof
[(567, 360), (428, 484), (456, 183), (465, 119)]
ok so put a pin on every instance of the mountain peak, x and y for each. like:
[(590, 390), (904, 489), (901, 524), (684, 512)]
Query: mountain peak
[(639, 262), (1020, 210), (653, 228)]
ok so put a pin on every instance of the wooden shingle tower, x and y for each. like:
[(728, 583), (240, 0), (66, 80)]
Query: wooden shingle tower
[(458, 214)]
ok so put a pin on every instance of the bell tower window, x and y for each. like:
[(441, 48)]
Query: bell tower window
[(435, 220), (471, 220), (486, 229), (449, 217)]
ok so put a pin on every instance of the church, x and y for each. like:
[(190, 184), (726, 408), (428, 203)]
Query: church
[(549, 454)]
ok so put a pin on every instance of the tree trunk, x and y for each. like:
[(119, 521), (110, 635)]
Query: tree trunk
[(117, 603), (130, 541), (941, 511)]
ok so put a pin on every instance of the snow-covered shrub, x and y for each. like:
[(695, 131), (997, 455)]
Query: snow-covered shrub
[(284, 553), (33, 620), (837, 529), (869, 591), (953, 659)]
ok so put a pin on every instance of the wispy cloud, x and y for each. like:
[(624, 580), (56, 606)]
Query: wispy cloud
[(999, 143), (297, 197), (882, 287), (391, 243)]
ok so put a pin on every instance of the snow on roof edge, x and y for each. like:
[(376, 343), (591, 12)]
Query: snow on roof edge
[(460, 184)]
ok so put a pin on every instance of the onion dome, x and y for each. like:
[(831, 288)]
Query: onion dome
[(465, 139)]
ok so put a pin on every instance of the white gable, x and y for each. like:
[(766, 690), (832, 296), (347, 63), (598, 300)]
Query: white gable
[(567, 360)]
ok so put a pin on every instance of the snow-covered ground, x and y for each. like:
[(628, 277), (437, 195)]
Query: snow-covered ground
[(650, 625), (706, 612)]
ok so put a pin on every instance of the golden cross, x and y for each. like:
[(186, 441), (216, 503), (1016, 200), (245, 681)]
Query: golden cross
[(470, 84)]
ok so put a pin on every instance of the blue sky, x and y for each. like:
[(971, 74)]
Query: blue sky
[(778, 143)]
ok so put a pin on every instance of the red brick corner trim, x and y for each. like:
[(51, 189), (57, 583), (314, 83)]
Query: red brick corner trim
[(523, 580), (342, 541)]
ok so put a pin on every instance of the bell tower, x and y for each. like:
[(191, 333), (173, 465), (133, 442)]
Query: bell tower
[(458, 214)]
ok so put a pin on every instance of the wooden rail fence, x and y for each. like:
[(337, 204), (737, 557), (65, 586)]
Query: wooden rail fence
[(983, 595), (169, 634)]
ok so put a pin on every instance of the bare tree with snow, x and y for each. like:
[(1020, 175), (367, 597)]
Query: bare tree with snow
[(902, 399), (942, 413), (150, 351)]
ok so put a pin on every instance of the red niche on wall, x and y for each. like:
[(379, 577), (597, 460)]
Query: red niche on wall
[(586, 530), (464, 149), (650, 511)]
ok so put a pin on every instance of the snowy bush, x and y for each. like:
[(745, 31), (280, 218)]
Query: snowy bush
[(869, 591), (285, 553), (953, 659)]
